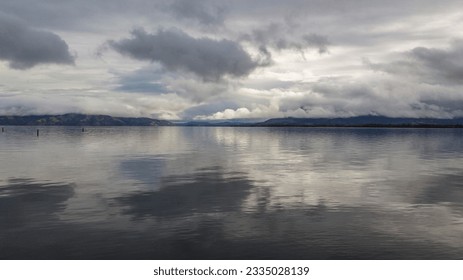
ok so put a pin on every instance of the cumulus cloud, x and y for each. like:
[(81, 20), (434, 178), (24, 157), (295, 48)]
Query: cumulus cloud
[(207, 58), (240, 113), (25, 47)]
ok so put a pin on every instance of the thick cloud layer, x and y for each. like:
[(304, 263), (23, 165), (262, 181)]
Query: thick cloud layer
[(24, 47), (216, 59), (209, 59)]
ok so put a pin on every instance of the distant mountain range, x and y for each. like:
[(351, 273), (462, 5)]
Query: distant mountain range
[(365, 121), (360, 121), (80, 120), (104, 120)]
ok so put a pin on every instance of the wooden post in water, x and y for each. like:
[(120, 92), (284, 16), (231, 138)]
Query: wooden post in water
[(83, 129), (3, 129), (37, 133)]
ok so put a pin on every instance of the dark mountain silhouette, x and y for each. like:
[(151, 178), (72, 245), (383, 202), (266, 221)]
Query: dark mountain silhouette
[(364, 121), (104, 120), (80, 120)]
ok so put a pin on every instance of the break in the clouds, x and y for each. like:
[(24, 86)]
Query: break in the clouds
[(24, 47), (208, 58), (217, 59)]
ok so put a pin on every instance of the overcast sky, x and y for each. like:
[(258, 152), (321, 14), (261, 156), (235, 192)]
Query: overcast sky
[(217, 59)]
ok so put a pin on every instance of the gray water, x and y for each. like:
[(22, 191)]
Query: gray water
[(231, 193)]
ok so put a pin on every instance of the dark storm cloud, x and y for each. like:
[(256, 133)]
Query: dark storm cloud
[(24, 47), (176, 50), (429, 65)]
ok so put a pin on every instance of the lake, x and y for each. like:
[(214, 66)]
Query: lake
[(231, 193)]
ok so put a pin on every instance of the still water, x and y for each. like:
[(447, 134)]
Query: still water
[(231, 193)]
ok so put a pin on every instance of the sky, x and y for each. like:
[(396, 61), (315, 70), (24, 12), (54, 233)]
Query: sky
[(217, 59)]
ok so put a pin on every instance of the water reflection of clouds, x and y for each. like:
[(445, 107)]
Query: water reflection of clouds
[(339, 166), (238, 193), (218, 229), (148, 171), (377, 171), (206, 191), (27, 207), (246, 212), (26, 202), (204, 216)]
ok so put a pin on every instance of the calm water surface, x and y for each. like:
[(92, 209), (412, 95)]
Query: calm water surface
[(231, 193)]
